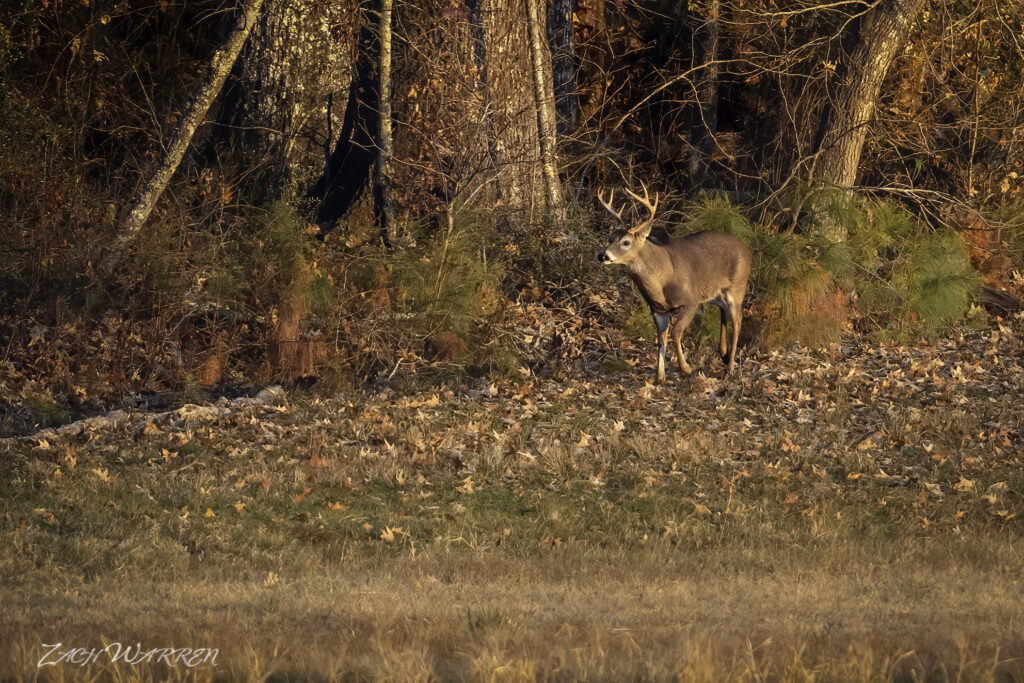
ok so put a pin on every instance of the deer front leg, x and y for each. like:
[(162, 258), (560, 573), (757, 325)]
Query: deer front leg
[(661, 321), (682, 322)]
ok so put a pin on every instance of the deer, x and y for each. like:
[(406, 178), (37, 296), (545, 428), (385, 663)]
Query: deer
[(678, 276)]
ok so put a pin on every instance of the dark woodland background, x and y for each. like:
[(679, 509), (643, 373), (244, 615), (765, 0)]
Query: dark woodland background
[(365, 184)]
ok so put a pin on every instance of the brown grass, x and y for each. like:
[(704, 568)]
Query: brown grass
[(853, 515), (564, 614)]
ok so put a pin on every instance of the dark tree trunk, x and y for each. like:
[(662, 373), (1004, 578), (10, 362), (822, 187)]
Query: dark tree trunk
[(706, 126), (351, 163), (563, 63)]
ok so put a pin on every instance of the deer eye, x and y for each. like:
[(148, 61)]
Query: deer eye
[(626, 243)]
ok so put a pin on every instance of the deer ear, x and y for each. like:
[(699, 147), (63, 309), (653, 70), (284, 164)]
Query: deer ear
[(641, 231)]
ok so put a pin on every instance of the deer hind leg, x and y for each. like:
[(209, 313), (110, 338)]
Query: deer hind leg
[(685, 316), (661, 321), (722, 344), (736, 306)]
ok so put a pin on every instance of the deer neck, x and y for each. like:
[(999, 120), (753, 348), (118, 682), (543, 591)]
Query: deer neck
[(647, 270)]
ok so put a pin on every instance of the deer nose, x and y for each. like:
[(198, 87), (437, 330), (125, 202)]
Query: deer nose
[(602, 257)]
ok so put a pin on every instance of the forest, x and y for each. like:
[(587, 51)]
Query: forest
[(288, 286)]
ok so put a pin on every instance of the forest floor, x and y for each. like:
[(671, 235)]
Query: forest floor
[(850, 514)]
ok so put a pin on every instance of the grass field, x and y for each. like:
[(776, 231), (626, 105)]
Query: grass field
[(846, 515)]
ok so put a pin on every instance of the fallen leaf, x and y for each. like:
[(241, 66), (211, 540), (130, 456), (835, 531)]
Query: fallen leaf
[(700, 508), (964, 485)]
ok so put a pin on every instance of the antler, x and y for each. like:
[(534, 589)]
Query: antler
[(608, 204), (646, 201)]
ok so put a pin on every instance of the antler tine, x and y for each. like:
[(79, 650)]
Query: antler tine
[(608, 204), (646, 201)]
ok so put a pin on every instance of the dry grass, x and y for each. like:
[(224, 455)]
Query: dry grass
[(845, 516), (565, 614)]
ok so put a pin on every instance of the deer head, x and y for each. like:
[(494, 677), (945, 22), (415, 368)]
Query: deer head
[(626, 242)]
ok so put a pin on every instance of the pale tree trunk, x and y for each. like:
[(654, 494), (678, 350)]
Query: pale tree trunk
[(883, 33), (220, 65), (296, 75), (512, 102), (544, 93), (384, 176), (707, 125)]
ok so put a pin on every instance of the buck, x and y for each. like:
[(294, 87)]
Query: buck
[(675, 278)]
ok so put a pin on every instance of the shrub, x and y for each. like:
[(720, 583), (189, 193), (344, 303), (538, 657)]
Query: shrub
[(452, 282), (716, 213), (904, 279), (942, 281)]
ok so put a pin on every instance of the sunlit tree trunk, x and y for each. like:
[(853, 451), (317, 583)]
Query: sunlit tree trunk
[(220, 65), (299, 62), (882, 34), (384, 176), (511, 96), (546, 115)]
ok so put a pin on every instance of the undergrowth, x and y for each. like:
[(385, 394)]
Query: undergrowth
[(893, 275)]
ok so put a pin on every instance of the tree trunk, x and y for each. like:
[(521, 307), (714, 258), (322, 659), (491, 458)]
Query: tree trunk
[(594, 59), (384, 179), (220, 65), (546, 116), (299, 59), (511, 99), (352, 160), (707, 125), (882, 34), (563, 63)]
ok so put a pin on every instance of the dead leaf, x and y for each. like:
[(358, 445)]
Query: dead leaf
[(964, 485), (699, 508)]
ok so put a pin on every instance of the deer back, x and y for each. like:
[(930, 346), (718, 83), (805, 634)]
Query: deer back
[(690, 270)]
